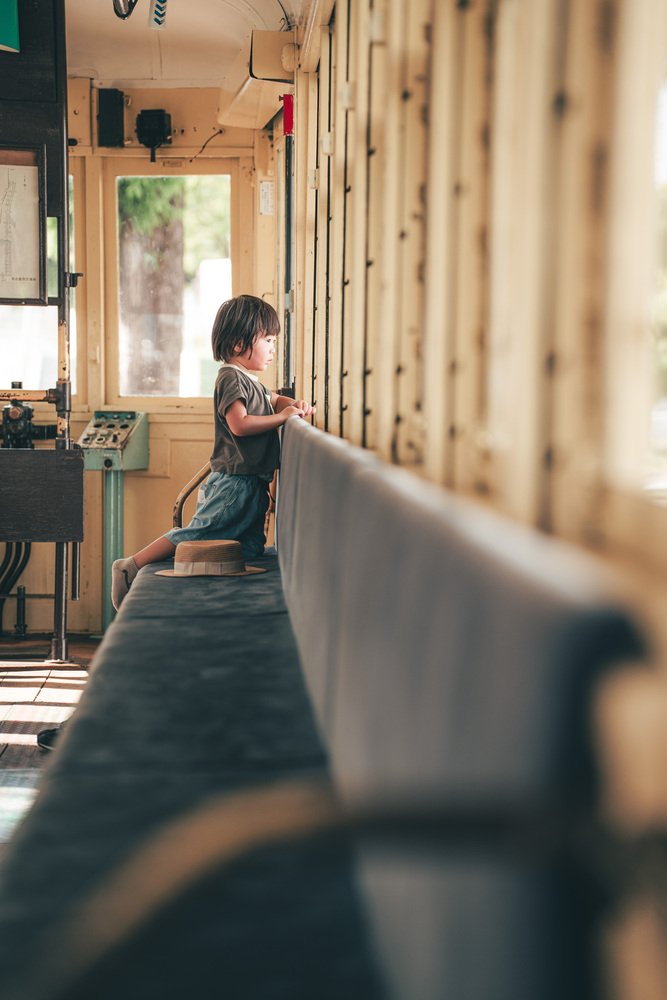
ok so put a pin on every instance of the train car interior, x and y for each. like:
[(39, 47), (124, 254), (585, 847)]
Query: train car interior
[(415, 746)]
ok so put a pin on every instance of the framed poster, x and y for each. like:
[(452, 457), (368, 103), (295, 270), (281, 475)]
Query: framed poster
[(23, 226)]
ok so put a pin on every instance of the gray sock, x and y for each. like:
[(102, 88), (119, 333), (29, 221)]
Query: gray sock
[(123, 572)]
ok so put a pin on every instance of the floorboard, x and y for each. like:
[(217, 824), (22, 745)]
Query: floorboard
[(35, 694)]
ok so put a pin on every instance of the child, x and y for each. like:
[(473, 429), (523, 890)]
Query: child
[(233, 501)]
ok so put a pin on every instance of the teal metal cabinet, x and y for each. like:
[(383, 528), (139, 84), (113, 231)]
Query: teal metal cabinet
[(115, 441)]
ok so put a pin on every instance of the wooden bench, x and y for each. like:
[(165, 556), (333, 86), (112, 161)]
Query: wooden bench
[(449, 657)]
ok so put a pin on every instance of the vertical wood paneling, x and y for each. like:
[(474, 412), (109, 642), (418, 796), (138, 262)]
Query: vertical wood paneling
[(582, 232), (493, 230), (357, 224), (324, 210), (305, 223), (415, 36), (467, 470), (312, 247), (385, 334), (337, 259), (441, 256), (523, 151), (375, 337), (265, 225), (457, 268), (92, 320), (244, 198)]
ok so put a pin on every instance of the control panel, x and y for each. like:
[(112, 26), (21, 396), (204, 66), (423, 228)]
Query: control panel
[(116, 439)]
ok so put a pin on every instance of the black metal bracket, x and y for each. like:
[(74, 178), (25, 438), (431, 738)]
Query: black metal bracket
[(61, 396)]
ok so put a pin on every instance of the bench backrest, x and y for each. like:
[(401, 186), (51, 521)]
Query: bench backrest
[(451, 654)]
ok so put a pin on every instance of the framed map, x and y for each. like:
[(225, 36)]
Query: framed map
[(23, 226)]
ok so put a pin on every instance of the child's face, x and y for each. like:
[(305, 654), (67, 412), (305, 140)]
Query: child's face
[(260, 355)]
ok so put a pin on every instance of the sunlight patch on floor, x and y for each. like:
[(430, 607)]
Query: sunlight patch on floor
[(10, 695), (60, 694), (22, 722), (17, 794)]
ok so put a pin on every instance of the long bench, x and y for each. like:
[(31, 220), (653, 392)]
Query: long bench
[(418, 651)]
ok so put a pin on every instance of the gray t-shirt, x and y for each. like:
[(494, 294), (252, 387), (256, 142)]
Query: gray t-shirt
[(257, 454)]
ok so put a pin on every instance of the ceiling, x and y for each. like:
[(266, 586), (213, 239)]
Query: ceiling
[(199, 43)]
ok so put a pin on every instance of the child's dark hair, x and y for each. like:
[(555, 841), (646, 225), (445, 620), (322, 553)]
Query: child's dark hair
[(239, 323)]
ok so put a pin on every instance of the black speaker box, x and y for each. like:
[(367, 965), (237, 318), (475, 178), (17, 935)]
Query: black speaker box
[(110, 121)]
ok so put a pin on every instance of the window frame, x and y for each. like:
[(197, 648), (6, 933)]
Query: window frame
[(78, 365), (114, 168)]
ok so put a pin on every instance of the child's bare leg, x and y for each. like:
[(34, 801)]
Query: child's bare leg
[(158, 550), (123, 571)]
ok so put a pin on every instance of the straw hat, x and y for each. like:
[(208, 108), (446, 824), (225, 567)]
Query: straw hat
[(209, 558)]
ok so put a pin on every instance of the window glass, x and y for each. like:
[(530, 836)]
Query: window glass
[(29, 346), (29, 334), (656, 472), (174, 270)]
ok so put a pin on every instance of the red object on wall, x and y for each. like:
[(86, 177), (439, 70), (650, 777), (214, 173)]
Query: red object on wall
[(288, 113)]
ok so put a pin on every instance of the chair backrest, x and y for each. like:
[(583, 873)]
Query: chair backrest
[(189, 488)]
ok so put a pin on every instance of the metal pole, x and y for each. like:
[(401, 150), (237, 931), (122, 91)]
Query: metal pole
[(288, 324), (59, 645), (76, 571), (289, 304), (20, 627), (113, 533), (63, 440)]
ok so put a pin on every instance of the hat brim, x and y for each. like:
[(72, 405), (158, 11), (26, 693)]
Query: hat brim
[(249, 571)]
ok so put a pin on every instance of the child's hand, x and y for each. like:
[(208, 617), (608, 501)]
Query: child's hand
[(295, 410), (306, 408)]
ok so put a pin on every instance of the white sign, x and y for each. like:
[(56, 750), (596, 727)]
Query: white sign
[(266, 198), (19, 232)]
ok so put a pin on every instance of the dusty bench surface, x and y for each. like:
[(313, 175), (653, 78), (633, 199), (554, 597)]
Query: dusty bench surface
[(196, 690)]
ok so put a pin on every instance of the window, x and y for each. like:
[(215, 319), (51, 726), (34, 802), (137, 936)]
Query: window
[(29, 334), (174, 271), (636, 297), (656, 461)]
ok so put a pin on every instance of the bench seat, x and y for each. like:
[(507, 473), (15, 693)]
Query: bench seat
[(196, 690)]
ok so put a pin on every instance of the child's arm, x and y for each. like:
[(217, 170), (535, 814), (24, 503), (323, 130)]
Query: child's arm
[(244, 424), (280, 402)]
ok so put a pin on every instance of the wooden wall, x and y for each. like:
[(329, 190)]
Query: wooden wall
[(476, 248)]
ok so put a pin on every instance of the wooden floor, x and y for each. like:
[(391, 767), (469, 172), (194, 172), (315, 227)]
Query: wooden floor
[(35, 694)]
